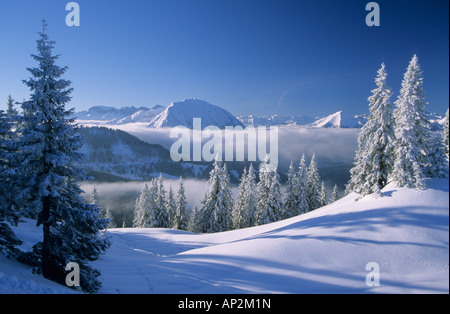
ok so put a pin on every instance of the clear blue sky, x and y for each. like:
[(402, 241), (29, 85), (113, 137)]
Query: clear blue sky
[(247, 56)]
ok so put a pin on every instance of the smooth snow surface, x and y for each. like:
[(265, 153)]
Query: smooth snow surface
[(326, 251)]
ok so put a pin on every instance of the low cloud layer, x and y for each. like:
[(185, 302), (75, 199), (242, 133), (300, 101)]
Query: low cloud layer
[(332, 146)]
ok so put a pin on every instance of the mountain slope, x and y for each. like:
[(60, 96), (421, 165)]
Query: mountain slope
[(182, 114), (117, 153), (406, 233), (326, 251)]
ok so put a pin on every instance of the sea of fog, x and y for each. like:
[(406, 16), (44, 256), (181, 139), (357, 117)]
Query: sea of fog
[(334, 149)]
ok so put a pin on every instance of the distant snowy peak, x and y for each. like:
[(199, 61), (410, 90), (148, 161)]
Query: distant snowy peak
[(276, 120), (340, 120), (111, 115), (182, 114), (105, 113), (335, 120)]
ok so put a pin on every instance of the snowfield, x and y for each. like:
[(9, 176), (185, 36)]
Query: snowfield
[(406, 233)]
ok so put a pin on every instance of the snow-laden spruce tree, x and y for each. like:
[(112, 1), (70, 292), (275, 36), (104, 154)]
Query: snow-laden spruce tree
[(323, 195), (412, 131), (270, 206), (216, 206), (171, 207), (195, 223), (291, 203), (334, 195), (8, 213), (144, 211), (109, 216), (245, 207), (181, 220), (11, 111), (445, 134), (238, 212), (251, 198), (375, 156), (161, 215), (49, 180), (438, 159), (138, 213), (302, 187), (313, 185)]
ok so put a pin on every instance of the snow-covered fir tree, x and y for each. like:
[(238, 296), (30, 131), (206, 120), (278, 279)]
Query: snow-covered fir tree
[(215, 211), (171, 207), (95, 200), (109, 216), (270, 207), (142, 207), (291, 203), (445, 134), (245, 207), (302, 187), (11, 111), (8, 213), (238, 214), (375, 156), (323, 195), (195, 223), (49, 180), (335, 194), (412, 131), (438, 159), (161, 215), (181, 220), (313, 185)]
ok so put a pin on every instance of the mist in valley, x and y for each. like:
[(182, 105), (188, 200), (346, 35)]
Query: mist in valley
[(334, 149)]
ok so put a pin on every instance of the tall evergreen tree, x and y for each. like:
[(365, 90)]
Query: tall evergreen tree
[(412, 130), (313, 187), (438, 159), (323, 195), (49, 148), (144, 212), (181, 220), (11, 111), (445, 134), (8, 212), (245, 207), (109, 216), (375, 157), (161, 215), (291, 203), (269, 193), (238, 214), (171, 207), (195, 224), (216, 206), (334, 194), (302, 187)]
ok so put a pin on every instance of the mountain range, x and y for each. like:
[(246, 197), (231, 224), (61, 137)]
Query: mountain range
[(182, 114)]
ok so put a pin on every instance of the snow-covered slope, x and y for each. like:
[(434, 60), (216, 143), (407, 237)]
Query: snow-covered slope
[(103, 115), (406, 233), (182, 114), (116, 153), (326, 251), (340, 120)]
